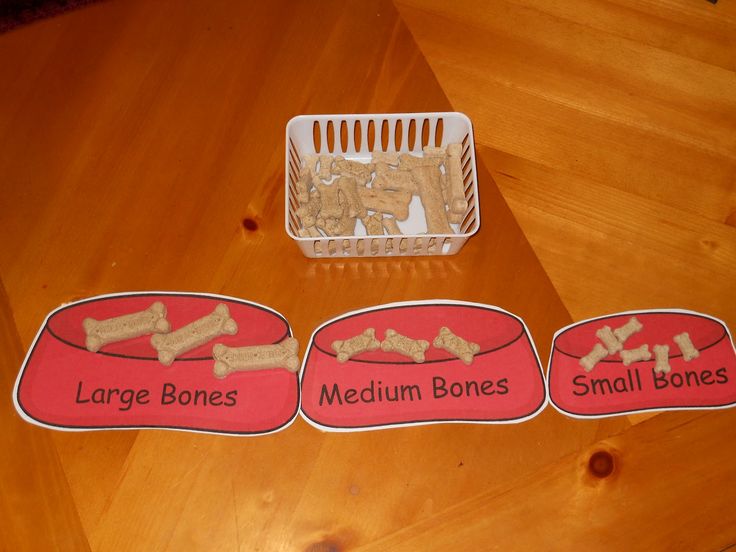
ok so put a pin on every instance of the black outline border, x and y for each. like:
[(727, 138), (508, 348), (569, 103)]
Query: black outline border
[(426, 303), (560, 332), (32, 419)]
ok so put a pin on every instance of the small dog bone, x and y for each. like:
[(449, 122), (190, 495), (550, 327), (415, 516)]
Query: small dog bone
[(359, 171), (373, 224), (394, 203), (427, 179), (310, 163), (394, 180), (325, 167), (128, 326), (689, 351), (627, 330), (360, 343), (456, 201), (609, 340), (330, 198), (348, 187), (391, 226), (635, 355), (194, 334), (661, 356), (256, 357), (598, 353), (412, 348), (464, 350)]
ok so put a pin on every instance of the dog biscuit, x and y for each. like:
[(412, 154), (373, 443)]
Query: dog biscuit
[(194, 334), (456, 345), (385, 158), (348, 348), (308, 211), (412, 348), (325, 167), (255, 357), (397, 180), (408, 161), (427, 179), (661, 356), (627, 330), (634, 355), (128, 326), (361, 172), (348, 187), (391, 226), (589, 361), (605, 334), (433, 151), (689, 351), (390, 202), (456, 202)]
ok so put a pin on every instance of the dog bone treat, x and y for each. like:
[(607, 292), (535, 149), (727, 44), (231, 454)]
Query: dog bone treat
[(391, 226), (661, 356), (373, 224), (433, 151), (325, 167), (409, 162), (609, 340), (303, 185), (456, 201), (310, 163), (635, 355), (194, 334), (128, 326), (348, 187), (256, 357), (330, 198), (456, 345), (427, 179), (390, 202), (627, 330), (309, 210), (385, 158), (598, 353), (359, 171), (689, 351), (331, 226), (360, 343), (412, 348), (390, 179)]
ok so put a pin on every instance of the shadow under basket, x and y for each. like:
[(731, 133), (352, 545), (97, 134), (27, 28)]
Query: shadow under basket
[(356, 137)]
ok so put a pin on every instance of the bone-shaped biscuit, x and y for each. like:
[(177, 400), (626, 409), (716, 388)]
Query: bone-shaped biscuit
[(329, 195), (412, 348), (391, 226), (456, 345), (434, 151), (303, 185), (627, 330), (456, 201), (348, 187), (390, 202), (408, 161), (310, 163), (689, 351), (325, 167), (347, 167), (661, 357), (255, 357), (634, 355), (360, 343), (308, 212), (128, 326), (589, 361), (390, 179), (605, 334), (373, 224), (429, 189), (194, 334)]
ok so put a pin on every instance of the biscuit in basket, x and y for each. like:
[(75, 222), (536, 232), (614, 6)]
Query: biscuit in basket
[(361, 172), (348, 348), (456, 345), (456, 202), (389, 202), (348, 187), (429, 188), (329, 195), (412, 348), (194, 334), (661, 357), (255, 357), (128, 326), (325, 167), (627, 330), (611, 342)]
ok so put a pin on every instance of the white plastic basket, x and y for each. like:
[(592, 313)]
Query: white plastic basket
[(355, 137)]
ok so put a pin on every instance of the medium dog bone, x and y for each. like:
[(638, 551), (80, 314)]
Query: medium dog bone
[(348, 187), (589, 361), (385, 158), (303, 185), (360, 343), (456, 201), (256, 357), (609, 340), (390, 202), (689, 351), (194, 334), (661, 356), (309, 210), (429, 189), (325, 167), (432, 151), (635, 355), (412, 348), (456, 345), (310, 163), (360, 171), (330, 198), (128, 326), (627, 330)]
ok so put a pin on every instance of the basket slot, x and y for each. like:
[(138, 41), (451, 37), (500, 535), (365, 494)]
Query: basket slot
[(412, 135), (316, 137), (439, 132), (403, 246), (330, 132), (398, 135), (360, 247), (389, 246)]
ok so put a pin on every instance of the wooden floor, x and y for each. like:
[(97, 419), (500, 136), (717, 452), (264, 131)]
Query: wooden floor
[(136, 137)]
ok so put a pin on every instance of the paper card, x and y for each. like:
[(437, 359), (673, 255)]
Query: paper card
[(378, 389), (611, 388), (62, 385)]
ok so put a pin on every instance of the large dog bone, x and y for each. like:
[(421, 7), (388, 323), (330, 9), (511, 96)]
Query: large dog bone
[(385, 158), (390, 202), (456, 201), (662, 356), (408, 161), (348, 187), (456, 345), (412, 348), (255, 357), (309, 210), (373, 224), (128, 326), (360, 343), (330, 198), (429, 189), (389, 179), (360, 171), (304, 185), (194, 334), (325, 167)]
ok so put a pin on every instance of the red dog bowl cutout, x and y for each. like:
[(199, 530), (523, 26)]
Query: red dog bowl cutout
[(380, 389), (611, 388), (62, 385)]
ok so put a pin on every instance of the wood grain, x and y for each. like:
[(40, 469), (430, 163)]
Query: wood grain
[(137, 138)]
